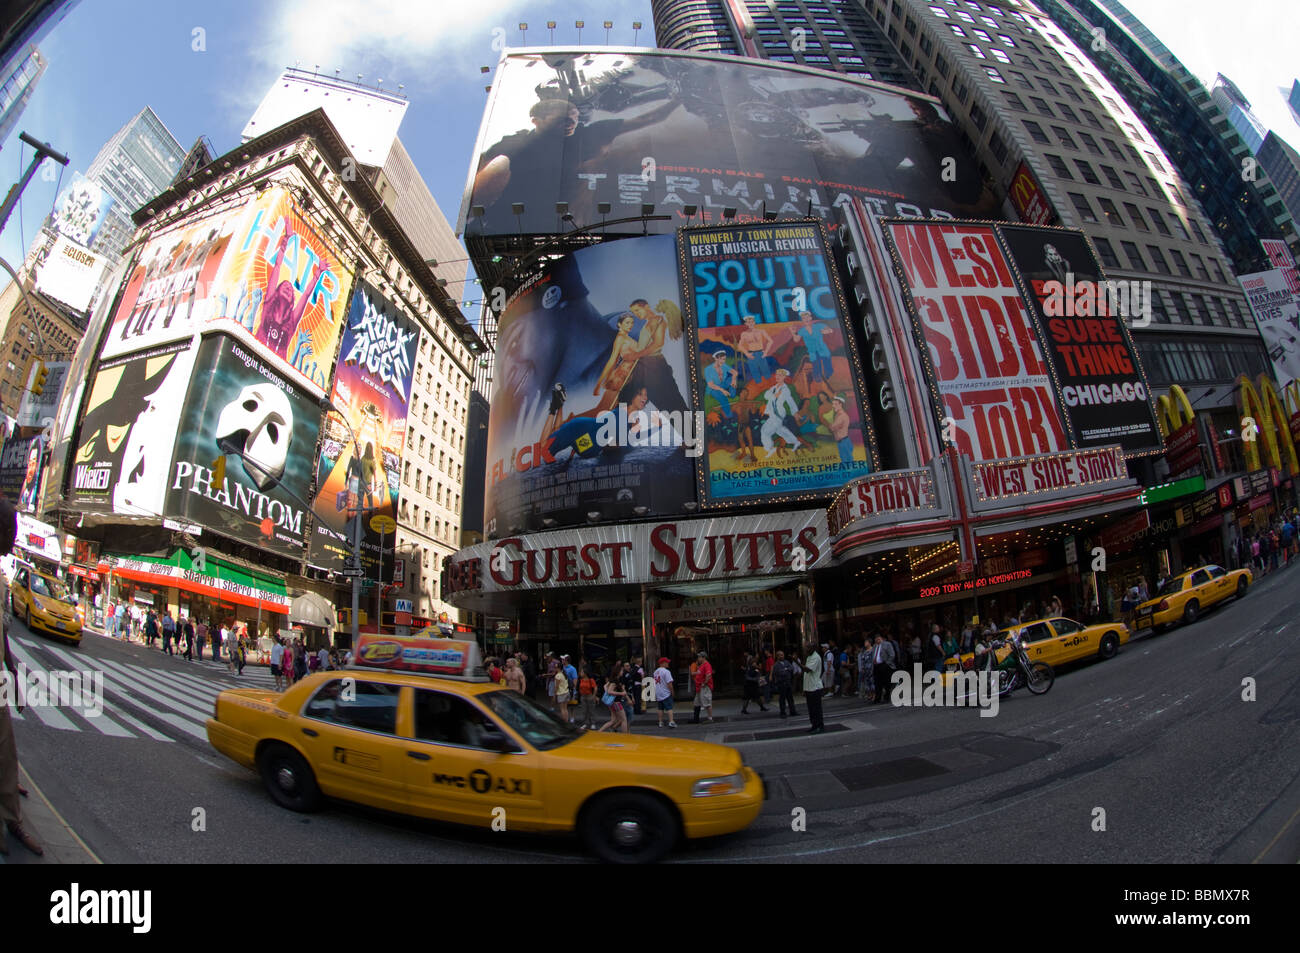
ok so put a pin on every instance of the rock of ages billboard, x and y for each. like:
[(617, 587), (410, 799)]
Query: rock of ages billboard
[(260, 270), (775, 371), (590, 412), (373, 389), (978, 341), (124, 442), (238, 401), (1084, 320), (679, 129)]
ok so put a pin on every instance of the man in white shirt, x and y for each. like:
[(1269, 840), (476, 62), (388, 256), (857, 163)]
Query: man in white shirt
[(277, 658), (664, 692), (884, 661), (812, 689), (779, 403)]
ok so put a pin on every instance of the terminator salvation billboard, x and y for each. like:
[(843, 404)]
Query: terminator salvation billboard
[(1103, 391), (590, 413), (239, 402), (977, 340), (775, 373), (261, 270), (678, 129), (373, 389)]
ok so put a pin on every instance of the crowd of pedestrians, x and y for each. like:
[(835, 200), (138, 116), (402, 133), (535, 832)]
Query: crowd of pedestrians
[(574, 691)]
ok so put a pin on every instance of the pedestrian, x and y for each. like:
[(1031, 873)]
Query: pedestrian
[(150, 629), (168, 631), (120, 621), (828, 670), (612, 698), (914, 650), (751, 673), (562, 694), (11, 792), (813, 686), (866, 682), (277, 664), (883, 662), (494, 671), (571, 676), (515, 677), (631, 688), (934, 649), (703, 687), (323, 658), (552, 666), (783, 673), (201, 635), (587, 686), (187, 632), (299, 660), (663, 679), (635, 676), (951, 648), (765, 679)]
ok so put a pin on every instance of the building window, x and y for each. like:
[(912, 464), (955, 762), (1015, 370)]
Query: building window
[(1087, 172), (1082, 207), (1135, 214), (1021, 79), (998, 147), (1041, 105), (1158, 258), (1015, 101), (1036, 131), (978, 118), (1090, 143), (1107, 253), (1134, 254), (1198, 267), (1200, 235), (1064, 137), (1058, 166), (1113, 178), (1159, 222), (1111, 212), (993, 74), (1180, 263)]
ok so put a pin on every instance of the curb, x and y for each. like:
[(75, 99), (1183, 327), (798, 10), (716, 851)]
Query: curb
[(62, 844)]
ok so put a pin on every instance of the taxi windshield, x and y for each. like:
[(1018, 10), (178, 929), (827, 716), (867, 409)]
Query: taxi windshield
[(538, 726), (49, 587), (1171, 586)]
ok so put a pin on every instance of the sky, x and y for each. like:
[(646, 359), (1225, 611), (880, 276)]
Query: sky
[(109, 58)]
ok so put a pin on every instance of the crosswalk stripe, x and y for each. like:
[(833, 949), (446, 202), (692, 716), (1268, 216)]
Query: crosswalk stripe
[(182, 689), (50, 716), (185, 720), (161, 691)]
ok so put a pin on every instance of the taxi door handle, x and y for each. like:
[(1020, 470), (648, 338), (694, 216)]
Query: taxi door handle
[(418, 755), (311, 732)]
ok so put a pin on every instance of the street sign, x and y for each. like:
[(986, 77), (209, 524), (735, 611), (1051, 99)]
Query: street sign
[(383, 524), (354, 571)]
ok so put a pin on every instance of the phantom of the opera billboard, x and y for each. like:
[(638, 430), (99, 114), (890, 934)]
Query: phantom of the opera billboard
[(674, 129), (240, 407), (1084, 319), (590, 411), (775, 369), (122, 459), (261, 270), (373, 390)]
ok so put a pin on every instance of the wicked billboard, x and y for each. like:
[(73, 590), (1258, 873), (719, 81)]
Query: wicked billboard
[(241, 409), (373, 390), (677, 129), (775, 371), (590, 412)]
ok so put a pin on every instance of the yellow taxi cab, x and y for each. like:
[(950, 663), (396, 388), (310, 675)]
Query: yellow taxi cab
[(415, 727), (1060, 640), (44, 603), (1187, 594)]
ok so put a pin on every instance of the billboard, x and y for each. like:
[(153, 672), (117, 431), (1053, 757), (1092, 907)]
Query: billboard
[(774, 369), (38, 410), (677, 129), (1277, 312), (1103, 391), (237, 398), (70, 274), (590, 412), (989, 378), (21, 463), (1028, 197), (80, 210), (132, 413), (373, 389), (261, 271)]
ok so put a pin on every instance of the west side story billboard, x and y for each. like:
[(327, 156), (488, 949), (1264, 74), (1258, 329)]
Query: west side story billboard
[(678, 129), (590, 410), (775, 368), (376, 369)]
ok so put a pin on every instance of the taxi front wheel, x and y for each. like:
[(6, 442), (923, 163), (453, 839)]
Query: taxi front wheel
[(288, 778), (628, 827)]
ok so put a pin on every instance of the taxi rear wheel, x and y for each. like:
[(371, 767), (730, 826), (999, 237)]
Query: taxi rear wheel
[(1242, 586), (1109, 645), (628, 827), (1192, 612), (288, 778)]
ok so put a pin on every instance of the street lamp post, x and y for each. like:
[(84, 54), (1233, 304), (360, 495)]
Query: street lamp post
[(329, 405)]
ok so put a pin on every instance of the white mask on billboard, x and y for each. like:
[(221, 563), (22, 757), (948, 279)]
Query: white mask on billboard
[(260, 423), (147, 457)]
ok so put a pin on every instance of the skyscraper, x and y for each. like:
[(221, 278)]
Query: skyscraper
[(1282, 163), (833, 35), (16, 87), (1234, 104)]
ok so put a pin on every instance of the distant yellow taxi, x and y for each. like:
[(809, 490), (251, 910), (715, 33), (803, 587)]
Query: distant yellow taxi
[(416, 728), (44, 604), (1060, 640), (1187, 595)]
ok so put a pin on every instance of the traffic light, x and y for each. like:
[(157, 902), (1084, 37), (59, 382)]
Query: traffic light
[(38, 382), (219, 470)]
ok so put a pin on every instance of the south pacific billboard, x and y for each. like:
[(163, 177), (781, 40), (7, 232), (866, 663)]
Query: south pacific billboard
[(590, 413), (240, 407), (990, 380), (373, 390), (675, 129), (775, 370), (124, 443), (260, 270), (1084, 320)]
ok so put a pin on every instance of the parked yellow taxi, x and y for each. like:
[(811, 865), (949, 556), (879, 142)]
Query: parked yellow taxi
[(416, 728), (44, 603), (1060, 640), (1186, 595)]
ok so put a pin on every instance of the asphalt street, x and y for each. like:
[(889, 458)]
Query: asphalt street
[(1157, 755)]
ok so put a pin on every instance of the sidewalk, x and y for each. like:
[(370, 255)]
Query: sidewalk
[(249, 659), (61, 843), (727, 716)]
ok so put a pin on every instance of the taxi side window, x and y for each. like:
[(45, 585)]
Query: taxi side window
[(449, 720), (370, 706), (22, 578), (1065, 626), (1036, 632), (1200, 577), (1217, 572)]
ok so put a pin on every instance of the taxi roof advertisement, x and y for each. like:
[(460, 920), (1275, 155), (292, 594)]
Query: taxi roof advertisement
[(373, 389), (591, 412), (676, 129), (238, 399), (775, 370)]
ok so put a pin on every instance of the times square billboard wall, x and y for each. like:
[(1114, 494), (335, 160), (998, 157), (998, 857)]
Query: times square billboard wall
[(260, 271), (774, 365), (586, 346), (674, 129), (372, 387)]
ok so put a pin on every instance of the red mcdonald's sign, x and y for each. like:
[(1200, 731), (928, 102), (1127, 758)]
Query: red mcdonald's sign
[(1028, 198)]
